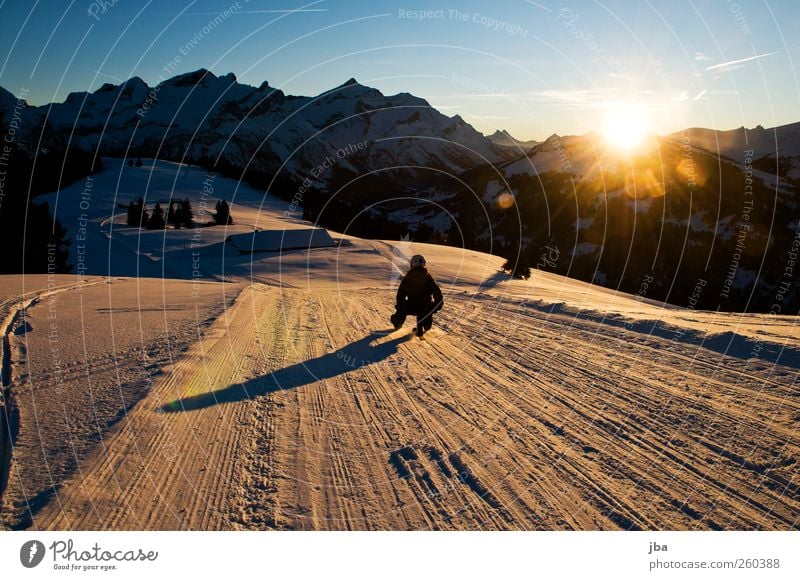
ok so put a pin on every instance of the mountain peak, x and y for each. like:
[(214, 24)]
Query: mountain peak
[(350, 89), (503, 138), (500, 134), (191, 78)]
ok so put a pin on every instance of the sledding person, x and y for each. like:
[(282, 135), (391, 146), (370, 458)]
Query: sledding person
[(419, 296)]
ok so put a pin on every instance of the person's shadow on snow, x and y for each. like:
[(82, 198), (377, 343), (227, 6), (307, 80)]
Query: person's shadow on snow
[(355, 355)]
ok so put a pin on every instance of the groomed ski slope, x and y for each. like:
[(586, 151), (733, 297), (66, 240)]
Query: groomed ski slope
[(548, 404)]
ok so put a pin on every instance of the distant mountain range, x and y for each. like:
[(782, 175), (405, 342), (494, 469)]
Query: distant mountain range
[(700, 218), (205, 119)]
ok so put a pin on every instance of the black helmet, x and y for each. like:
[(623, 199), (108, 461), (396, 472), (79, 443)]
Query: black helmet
[(417, 261)]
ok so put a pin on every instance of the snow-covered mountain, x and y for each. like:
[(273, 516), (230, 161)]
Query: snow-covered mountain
[(200, 117), (784, 140), (504, 139), (775, 150)]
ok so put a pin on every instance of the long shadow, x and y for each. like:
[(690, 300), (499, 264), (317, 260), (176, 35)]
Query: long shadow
[(354, 356), (34, 505), (494, 280)]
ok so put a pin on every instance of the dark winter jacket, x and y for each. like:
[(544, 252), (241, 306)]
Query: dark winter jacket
[(419, 294)]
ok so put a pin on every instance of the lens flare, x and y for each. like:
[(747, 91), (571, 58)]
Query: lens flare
[(504, 201), (626, 127)]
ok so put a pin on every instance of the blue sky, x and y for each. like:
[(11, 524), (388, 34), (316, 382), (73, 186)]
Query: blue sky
[(534, 68)]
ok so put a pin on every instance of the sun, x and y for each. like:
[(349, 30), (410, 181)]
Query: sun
[(626, 127)]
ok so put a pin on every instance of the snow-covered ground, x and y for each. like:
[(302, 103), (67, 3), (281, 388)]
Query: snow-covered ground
[(112, 248), (540, 404)]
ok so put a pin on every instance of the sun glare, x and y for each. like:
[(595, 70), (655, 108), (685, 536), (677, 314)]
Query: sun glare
[(626, 128)]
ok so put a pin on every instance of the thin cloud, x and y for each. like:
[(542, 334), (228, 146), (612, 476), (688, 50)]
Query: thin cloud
[(699, 56), (568, 96), (731, 64), (574, 96), (700, 95)]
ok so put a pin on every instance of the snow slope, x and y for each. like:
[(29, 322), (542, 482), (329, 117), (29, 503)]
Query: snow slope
[(114, 249), (544, 404)]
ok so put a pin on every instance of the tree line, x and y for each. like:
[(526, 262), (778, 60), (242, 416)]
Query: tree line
[(179, 214)]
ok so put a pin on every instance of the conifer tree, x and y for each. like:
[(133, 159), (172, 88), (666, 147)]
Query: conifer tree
[(157, 221), (222, 217)]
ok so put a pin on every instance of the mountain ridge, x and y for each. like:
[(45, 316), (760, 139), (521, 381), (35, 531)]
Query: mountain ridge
[(197, 116)]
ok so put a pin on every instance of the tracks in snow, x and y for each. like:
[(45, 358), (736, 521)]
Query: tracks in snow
[(13, 311), (506, 418)]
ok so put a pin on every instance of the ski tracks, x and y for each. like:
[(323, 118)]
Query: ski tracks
[(505, 418)]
